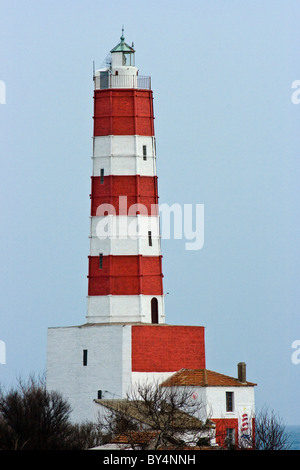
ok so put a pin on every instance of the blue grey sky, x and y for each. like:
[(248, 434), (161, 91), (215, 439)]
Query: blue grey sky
[(227, 137)]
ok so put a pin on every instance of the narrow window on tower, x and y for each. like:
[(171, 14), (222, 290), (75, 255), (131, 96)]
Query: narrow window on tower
[(84, 357), (102, 176), (100, 260), (144, 152), (99, 394), (150, 238)]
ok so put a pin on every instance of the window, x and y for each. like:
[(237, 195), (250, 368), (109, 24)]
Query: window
[(99, 394), (144, 152), (229, 401), (102, 176), (84, 358), (150, 238), (100, 260)]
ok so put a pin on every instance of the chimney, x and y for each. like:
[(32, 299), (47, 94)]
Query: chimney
[(241, 372)]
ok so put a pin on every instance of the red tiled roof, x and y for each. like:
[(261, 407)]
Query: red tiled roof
[(203, 378)]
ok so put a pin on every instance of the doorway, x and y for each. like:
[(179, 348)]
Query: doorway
[(154, 310)]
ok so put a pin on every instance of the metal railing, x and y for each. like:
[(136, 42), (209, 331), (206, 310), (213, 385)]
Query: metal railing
[(106, 80)]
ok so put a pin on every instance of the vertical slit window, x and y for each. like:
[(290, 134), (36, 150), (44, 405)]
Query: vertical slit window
[(150, 238), (84, 357), (100, 260), (102, 176), (144, 152)]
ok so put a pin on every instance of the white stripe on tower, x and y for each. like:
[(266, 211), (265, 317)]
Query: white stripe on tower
[(124, 155)]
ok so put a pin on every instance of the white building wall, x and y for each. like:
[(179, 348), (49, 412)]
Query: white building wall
[(108, 364), (213, 403), (147, 378), (243, 398)]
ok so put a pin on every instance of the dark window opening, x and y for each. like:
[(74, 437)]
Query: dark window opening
[(144, 152), (230, 437), (84, 358), (99, 394), (101, 261), (103, 80), (154, 310), (102, 176), (150, 238), (229, 401)]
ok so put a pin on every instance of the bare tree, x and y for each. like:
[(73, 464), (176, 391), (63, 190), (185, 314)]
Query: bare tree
[(116, 420), (270, 431), (169, 415), (32, 418)]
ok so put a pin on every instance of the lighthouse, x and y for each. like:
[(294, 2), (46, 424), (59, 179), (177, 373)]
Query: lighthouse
[(125, 280), (125, 338)]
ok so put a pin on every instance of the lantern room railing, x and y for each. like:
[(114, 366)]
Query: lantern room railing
[(105, 80)]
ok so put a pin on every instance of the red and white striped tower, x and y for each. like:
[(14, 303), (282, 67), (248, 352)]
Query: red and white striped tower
[(125, 280), (125, 339)]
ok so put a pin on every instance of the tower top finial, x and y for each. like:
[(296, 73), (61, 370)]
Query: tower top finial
[(122, 37)]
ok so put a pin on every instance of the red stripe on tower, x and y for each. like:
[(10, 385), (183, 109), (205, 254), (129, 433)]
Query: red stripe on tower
[(123, 111), (140, 191), (125, 280)]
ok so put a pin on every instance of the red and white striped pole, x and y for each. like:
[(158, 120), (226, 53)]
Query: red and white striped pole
[(125, 280)]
